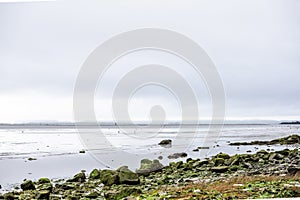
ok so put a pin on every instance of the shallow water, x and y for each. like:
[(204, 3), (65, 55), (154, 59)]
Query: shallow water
[(56, 148)]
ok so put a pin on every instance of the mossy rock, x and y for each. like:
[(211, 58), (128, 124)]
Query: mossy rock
[(28, 185), (95, 174), (222, 155), (127, 177), (80, 177), (122, 193), (44, 180), (148, 166), (45, 186), (109, 177), (43, 194), (218, 161)]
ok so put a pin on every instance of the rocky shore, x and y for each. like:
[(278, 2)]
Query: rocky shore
[(260, 175)]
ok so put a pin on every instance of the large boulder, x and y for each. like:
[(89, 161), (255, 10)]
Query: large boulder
[(148, 166), (109, 177), (127, 177), (28, 185)]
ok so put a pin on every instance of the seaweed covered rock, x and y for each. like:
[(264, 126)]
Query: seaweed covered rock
[(27, 185), (148, 166), (109, 177), (127, 177), (43, 194), (44, 180), (121, 193), (177, 155), (95, 174), (80, 177)]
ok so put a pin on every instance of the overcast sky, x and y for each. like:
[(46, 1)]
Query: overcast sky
[(255, 45)]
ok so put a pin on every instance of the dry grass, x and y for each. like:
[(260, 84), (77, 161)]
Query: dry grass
[(248, 186)]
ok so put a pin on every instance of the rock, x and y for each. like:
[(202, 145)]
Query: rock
[(203, 148), (177, 155), (122, 193), (219, 161), (275, 156), (95, 174), (127, 177), (28, 185), (109, 177), (160, 157), (82, 151), (222, 155), (44, 180), (68, 186), (284, 152), (148, 166), (9, 196), (294, 171), (292, 139), (165, 142), (45, 186), (43, 194), (80, 177), (220, 169), (92, 195)]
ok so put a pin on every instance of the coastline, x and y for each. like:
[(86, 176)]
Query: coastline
[(260, 175)]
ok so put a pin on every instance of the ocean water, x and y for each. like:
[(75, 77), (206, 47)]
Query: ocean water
[(56, 148)]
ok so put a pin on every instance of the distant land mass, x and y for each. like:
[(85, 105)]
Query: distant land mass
[(295, 122)]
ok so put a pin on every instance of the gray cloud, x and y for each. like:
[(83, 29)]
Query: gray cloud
[(254, 44)]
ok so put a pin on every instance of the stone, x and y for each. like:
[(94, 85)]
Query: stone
[(223, 155), (109, 177), (80, 177), (95, 174), (294, 171), (219, 161), (43, 194), (126, 176), (220, 169), (177, 155), (148, 166), (44, 180), (165, 142), (27, 185)]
